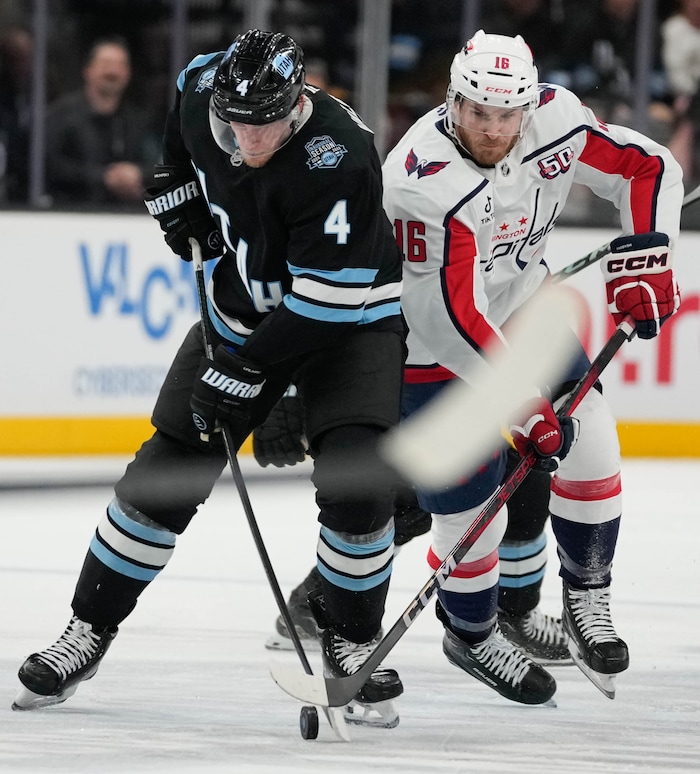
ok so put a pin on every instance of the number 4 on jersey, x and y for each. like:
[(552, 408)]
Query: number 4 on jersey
[(337, 222)]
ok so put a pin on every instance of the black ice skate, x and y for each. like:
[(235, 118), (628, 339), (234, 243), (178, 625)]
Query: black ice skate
[(595, 647), (539, 636), (53, 675), (500, 665), (373, 704), (301, 615)]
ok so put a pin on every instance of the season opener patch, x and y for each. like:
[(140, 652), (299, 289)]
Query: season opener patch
[(206, 80), (324, 153)]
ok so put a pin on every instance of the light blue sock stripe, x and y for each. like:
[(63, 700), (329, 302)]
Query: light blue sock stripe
[(524, 550), (355, 584), (375, 313), (357, 549), (521, 581), (161, 537), (120, 565)]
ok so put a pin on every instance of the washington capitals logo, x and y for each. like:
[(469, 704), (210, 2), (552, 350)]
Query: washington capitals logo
[(423, 167)]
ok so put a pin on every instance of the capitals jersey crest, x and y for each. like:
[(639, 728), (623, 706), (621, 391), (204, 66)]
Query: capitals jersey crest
[(423, 167)]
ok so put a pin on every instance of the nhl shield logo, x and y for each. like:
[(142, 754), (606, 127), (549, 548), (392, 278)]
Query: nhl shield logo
[(324, 153)]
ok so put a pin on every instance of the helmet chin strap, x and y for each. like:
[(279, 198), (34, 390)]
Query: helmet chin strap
[(301, 113)]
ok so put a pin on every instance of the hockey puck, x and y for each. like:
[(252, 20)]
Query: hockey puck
[(308, 722)]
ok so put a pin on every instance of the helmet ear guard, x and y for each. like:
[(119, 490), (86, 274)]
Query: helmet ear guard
[(259, 80)]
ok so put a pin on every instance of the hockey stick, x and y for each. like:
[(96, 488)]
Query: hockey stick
[(595, 255), (205, 324), (308, 719), (336, 692)]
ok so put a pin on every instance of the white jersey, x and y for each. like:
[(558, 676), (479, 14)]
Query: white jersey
[(474, 237)]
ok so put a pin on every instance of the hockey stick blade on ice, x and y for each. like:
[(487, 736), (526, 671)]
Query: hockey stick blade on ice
[(336, 692), (595, 255)]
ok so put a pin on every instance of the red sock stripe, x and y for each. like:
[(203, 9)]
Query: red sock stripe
[(599, 489), (467, 569)]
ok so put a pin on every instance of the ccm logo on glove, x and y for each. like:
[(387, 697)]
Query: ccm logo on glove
[(548, 436), (640, 282), (645, 263)]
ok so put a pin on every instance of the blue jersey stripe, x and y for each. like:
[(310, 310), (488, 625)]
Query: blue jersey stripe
[(120, 565)]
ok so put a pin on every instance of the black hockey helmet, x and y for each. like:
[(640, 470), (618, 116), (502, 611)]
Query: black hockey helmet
[(260, 78)]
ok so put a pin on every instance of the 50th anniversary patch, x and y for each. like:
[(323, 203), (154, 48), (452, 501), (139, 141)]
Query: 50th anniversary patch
[(324, 153)]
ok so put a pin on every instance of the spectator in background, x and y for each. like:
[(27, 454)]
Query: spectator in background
[(540, 22), (680, 52), (16, 57), (600, 47), (98, 143)]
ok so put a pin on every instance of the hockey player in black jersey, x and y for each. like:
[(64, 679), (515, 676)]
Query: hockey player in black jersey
[(283, 182)]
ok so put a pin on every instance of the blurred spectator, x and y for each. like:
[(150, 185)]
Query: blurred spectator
[(98, 145), (540, 22), (318, 74), (681, 59), (16, 58), (600, 49)]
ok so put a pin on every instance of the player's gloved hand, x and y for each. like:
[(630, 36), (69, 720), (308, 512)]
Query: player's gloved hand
[(640, 282), (280, 439), (176, 202), (410, 520), (549, 437), (224, 391)]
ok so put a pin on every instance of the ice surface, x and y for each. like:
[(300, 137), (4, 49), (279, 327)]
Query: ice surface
[(186, 688)]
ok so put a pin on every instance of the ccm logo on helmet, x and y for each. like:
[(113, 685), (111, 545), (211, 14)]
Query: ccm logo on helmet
[(637, 263), (172, 199), (497, 90)]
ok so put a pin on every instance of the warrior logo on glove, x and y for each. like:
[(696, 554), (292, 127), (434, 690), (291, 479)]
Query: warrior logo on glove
[(176, 202), (228, 384), (224, 392)]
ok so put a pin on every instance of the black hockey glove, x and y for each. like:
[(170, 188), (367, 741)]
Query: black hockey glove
[(410, 520), (175, 201), (224, 391), (280, 439)]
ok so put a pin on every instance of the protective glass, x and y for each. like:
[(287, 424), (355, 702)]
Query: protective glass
[(264, 139)]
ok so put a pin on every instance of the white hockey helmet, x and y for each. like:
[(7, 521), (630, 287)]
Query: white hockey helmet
[(494, 70)]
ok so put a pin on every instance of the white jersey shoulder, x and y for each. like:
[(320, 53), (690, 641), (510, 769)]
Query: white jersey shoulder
[(474, 238)]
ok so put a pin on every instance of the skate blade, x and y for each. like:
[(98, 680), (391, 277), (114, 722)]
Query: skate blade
[(336, 720), (552, 662), (278, 641), (604, 683), (382, 714), (27, 700)]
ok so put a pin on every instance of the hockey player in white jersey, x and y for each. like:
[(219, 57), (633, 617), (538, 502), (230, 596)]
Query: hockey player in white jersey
[(473, 189)]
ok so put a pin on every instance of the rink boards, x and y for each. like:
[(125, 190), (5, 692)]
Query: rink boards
[(94, 312)]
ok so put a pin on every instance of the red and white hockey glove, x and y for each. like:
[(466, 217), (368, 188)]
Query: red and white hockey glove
[(550, 438), (639, 281)]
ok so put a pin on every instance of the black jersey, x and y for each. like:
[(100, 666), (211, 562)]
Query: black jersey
[(310, 252)]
